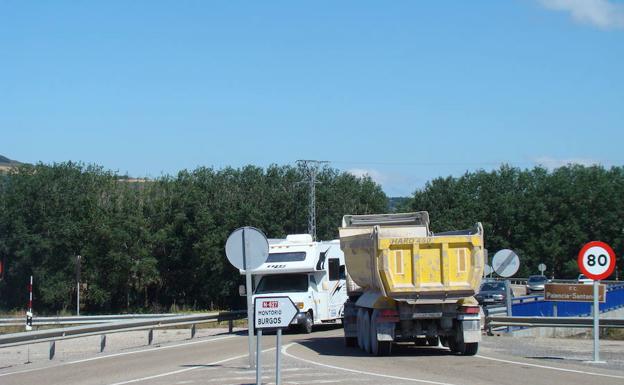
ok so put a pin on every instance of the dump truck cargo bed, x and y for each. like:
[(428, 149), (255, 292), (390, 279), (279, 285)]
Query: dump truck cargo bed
[(401, 260)]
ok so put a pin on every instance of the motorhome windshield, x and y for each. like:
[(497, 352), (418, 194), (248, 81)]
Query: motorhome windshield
[(287, 257), (283, 283)]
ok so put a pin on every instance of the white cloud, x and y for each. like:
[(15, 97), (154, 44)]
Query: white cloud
[(375, 175), (604, 14), (552, 163)]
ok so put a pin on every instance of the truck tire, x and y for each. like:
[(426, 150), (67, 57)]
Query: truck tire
[(366, 326), (465, 349), (385, 348), (378, 348), (306, 326), (470, 349), (374, 344), (360, 317)]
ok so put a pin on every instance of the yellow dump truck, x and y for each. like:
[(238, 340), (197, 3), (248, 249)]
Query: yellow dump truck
[(406, 283)]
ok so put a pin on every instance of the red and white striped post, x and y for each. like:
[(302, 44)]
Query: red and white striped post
[(29, 313)]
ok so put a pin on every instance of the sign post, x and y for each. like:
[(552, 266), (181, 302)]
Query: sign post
[(29, 312), (247, 248), (596, 260), (78, 257), (506, 263), (541, 268), (273, 313)]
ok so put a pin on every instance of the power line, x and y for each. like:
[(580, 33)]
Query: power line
[(312, 167)]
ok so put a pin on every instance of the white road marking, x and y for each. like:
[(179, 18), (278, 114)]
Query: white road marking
[(285, 352), (150, 349), (550, 367), (203, 366)]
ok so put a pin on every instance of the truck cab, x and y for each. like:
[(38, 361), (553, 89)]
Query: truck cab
[(311, 273)]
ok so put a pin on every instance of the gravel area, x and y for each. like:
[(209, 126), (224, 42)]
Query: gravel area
[(573, 350), (86, 347)]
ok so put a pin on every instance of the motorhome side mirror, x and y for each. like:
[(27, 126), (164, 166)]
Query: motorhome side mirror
[(342, 274), (242, 290)]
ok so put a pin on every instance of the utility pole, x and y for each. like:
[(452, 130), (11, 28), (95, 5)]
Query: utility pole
[(312, 167)]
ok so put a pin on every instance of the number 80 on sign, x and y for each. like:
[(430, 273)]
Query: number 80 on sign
[(596, 260)]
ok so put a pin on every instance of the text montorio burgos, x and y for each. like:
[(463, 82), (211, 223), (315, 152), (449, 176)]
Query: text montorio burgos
[(269, 317)]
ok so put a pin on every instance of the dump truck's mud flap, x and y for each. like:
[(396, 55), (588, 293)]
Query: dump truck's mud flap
[(471, 329), (385, 331)]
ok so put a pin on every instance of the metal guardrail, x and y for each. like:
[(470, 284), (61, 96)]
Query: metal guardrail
[(78, 320), (567, 322), (103, 328)]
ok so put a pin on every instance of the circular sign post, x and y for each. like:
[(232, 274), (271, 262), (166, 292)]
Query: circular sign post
[(541, 268), (247, 248), (506, 263), (596, 260)]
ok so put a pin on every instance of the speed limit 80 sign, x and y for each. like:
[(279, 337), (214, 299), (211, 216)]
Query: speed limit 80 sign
[(596, 260)]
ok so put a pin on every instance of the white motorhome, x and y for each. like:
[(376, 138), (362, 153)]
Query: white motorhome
[(311, 273)]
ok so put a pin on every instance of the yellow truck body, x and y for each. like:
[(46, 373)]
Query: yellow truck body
[(406, 283), (408, 263)]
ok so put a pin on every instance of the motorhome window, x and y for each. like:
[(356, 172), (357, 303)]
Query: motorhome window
[(334, 269), (286, 257), (343, 272), (283, 283)]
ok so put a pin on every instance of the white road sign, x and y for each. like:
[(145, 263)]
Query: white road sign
[(596, 260), (506, 263), (247, 248), (541, 268), (274, 312)]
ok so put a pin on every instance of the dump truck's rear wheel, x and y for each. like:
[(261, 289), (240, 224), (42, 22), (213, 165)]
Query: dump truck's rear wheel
[(465, 349), (372, 335), (366, 326), (378, 348), (385, 348), (360, 339), (470, 349)]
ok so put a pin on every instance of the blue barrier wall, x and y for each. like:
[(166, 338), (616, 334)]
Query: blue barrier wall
[(536, 306)]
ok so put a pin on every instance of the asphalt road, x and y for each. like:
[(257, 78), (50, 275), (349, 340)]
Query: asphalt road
[(319, 358)]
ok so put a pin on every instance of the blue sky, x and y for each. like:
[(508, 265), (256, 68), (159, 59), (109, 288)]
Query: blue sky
[(405, 91)]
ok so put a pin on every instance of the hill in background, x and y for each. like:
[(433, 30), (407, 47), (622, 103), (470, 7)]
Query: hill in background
[(6, 163)]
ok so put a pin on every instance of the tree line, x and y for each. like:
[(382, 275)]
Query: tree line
[(545, 216), (153, 244), (159, 244)]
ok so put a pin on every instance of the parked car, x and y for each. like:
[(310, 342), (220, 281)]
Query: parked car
[(584, 280), (536, 283), (492, 292)]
